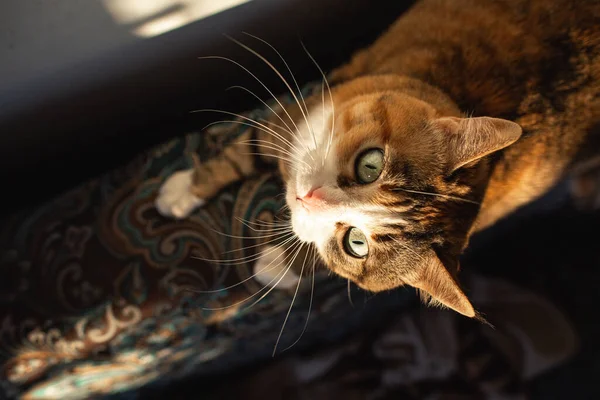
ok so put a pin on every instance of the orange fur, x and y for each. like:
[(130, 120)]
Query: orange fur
[(535, 62), (526, 71)]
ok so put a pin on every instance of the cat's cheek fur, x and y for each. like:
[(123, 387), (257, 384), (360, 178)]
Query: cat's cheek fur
[(313, 228)]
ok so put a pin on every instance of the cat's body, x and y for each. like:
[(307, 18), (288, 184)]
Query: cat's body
[(535, 62), (398, 108)]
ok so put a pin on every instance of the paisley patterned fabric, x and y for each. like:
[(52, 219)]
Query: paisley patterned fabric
[(100, 295)]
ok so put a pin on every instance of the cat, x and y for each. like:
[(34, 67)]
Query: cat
[(460, 113)]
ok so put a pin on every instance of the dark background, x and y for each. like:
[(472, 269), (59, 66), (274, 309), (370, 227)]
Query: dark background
[(59, 129)]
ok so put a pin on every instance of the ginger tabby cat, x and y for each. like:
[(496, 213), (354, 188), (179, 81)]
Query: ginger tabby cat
[(463, 111)]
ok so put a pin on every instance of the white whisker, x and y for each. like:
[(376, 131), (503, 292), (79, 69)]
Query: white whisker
[(287, 316), (256, 78), (250, 237), (280, 236), (273, 228), (297, 251), (446, 196), (312, 291), (268, 267), (295, 246), (406, 247), (330, 98), (240, 260), (285, 82), (295, 82), (285, 128), (350, 294), (250, 122), (266, 121), (272, 146)]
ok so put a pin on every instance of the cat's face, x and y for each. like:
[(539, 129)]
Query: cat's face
[(386, 189)]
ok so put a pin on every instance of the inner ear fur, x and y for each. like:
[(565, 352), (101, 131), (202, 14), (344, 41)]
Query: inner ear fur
[(468, 139), (434, 280)]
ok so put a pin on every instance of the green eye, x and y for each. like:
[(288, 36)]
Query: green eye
[(355, 243), (369, 165)]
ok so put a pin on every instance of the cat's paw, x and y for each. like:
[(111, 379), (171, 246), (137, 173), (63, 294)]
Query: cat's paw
[(175, 198), (270, 269)]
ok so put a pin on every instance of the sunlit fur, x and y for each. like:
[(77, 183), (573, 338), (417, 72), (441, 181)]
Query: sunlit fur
[(407, 94), (402, 227), (480, 106)]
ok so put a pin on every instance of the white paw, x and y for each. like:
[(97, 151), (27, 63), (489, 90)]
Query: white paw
[(174, 197), (269, 269)]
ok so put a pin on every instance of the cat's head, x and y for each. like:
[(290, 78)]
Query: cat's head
[(387, 183)]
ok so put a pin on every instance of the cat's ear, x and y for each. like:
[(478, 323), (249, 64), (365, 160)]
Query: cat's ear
[(435, 281), (469, 139)]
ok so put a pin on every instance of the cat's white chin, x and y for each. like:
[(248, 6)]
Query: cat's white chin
[(311, 227)]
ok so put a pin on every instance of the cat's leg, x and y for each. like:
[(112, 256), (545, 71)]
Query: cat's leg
[(270, 269), (282, 267), (186, 190), (175, 197)]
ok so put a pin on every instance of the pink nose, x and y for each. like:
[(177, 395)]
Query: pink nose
[(314, 195)]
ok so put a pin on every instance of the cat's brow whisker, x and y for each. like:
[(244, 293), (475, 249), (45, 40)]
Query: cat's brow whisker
[(287, 316), (283, 139), (273, 146), (285, 128), (286, 65), (285, 82), (282, 153), (237, 303), (295, 82), (312, 291), (406, 247), (275, 230), (264, 224), (250, 122), (279, 237), (295, 246), (266, 121), (249, 237), (269, 267), (256, 78), (239, 123), (296, 250), (330, 98), (291, 165), (240, 260), (279, 157), (271, 228), (446, 196)]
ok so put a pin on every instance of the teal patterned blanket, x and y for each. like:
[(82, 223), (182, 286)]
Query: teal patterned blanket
[(100, 295)]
